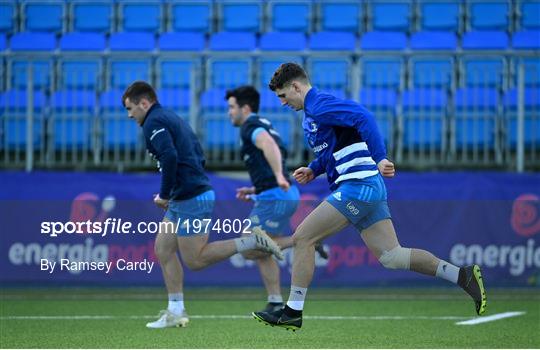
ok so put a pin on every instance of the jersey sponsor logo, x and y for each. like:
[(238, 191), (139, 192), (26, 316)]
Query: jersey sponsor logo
[(319, 148), (352, 209), (337, 196)]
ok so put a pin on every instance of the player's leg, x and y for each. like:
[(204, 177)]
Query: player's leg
[(381, 239), (165, 248), (322, 222)]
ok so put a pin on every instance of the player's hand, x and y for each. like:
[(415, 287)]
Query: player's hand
[(160, 202), (386, 168), (282, 182), (303, 175), (243, 193)]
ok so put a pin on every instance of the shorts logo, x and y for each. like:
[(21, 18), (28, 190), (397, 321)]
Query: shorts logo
[(255, 219), (337, 196), (352, 208), (272, 224)]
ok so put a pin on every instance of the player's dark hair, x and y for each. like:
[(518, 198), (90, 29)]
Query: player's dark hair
[(285, 74), (139, 90), (245, 95)]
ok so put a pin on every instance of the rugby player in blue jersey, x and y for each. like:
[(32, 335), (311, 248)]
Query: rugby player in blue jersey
[(185, 194), (275, 199), (348, 147)]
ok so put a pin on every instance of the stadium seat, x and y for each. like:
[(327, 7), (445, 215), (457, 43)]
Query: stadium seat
[(140, 15), (191, 16), (72, 119), (485, 40), (227, 72), (388, 15), (526, 40), (341, 16), (424, 118), (45, 15), (76, 72), (176, 99), (3, 42), (439, 15), (283, 41), (118, 131), (382, 103), (529, 11), (290, 16), (8, 10), (174, 72), (475, 118), (330, 73), (218, 131), (13, 114), (183, 41), (240, 15), (432, 71), (488, 15), (332, 41), (380, 41), (531, 122), (382, 71), (434, 41), (176, 62), (91, 16), (483, 71), (130, 59), (227, 41), (35, 47)]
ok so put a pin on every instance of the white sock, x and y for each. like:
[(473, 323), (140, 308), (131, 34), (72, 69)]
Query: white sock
[(176, 303), (447, 271), (244, 243), (275, 298), (296, 298)]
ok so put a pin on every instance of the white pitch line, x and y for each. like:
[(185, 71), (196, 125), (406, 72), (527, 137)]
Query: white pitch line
[(491, 318), (227, 317)]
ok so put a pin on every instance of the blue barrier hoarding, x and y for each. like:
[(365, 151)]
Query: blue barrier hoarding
[(487, 218)]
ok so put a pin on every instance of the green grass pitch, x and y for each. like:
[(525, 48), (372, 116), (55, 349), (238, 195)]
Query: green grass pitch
[(334, 318)]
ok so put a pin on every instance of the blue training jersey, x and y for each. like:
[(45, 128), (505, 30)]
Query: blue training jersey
[(344, 136), (178, 152)]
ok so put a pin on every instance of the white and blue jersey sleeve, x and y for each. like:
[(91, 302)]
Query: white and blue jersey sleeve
[(344, 136)]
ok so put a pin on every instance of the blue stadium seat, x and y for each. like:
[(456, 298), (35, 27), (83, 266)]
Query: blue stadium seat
[(424, 118), (174, 72), (8, 16), (118, 131), (483, 71), (38, 47), (531, 122), (3, 42), (383, 41), (341, 16), (176, 99), (526, 40), (92, 16), (332, 41), (182, 41), (140, 15), (290, 16), (130, 59), (283, 41), (72, 119), (382, 103), (488, 15), (45, 15), (191, 16), (388, 15), (240, 15), (13, 110), (33, 42), (77, 72), (475, 117), (226, 72), (485, 40), (42, 73), (530, 14), (382, 71), (439, 15), (231, 41), (434, 41), (330, 73), (218, 131), (433, 72)]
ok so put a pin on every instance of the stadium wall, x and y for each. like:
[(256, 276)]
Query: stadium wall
[(488, 218)]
